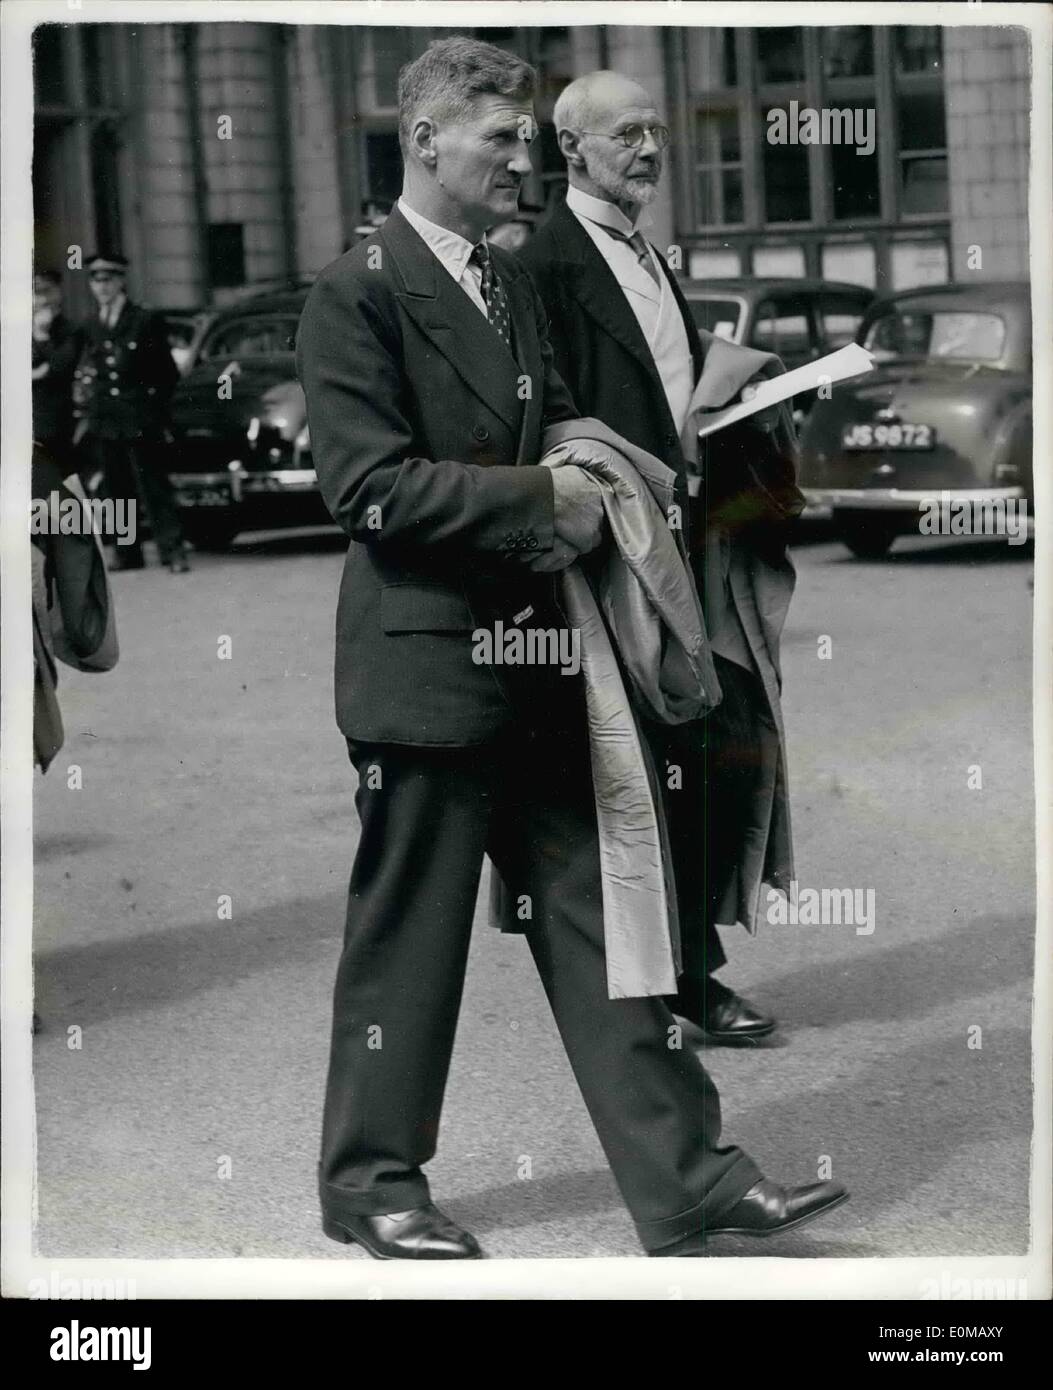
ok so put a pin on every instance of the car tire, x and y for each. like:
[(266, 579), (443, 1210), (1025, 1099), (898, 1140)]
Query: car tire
[(209, 533), (868, 538)]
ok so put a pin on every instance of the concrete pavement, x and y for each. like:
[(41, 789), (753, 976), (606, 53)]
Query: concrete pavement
[(204, 1039)]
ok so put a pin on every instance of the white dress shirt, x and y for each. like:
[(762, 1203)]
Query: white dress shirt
[(110, 313), (654, 305), (452, 252)]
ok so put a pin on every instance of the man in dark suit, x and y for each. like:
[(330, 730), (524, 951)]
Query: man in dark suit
[(56, 346), (626, 344), (121, 390), (429, 378)]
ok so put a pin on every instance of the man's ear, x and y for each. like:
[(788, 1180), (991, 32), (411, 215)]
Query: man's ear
[(569, 145), (422, 141)]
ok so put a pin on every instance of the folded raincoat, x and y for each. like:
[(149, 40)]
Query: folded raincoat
[(644, 651)]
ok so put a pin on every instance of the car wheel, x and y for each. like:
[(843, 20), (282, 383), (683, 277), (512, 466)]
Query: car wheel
[(209, 533), (868, 538)]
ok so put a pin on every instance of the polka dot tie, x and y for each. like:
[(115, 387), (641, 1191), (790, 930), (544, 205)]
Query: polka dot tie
[(493, 293)]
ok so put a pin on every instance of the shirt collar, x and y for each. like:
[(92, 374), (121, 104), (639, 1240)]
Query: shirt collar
[(112, 312), (599, 210), (452, 249)]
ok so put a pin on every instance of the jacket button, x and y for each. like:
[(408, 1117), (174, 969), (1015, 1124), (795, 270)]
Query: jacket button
[(510, 539), (114, 391), (532, 542), (480, 432)]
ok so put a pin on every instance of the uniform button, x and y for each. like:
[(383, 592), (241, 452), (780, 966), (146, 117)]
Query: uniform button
[(133, 345), (108, 343), (532, 542), (510, 539), (110, 361), (114, 391), (480, 432), (113, 376)]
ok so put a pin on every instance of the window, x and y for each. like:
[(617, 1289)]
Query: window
[(856, 185), (848, 51), (923, 154), (839, 319), (787, 190), (965, 337), (226, 254), (385, 52), (783, 327), (780, 55), (918, 49), (921, 121), (721, 317), (719, 154)]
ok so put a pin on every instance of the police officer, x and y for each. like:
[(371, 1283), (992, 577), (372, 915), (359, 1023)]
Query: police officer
[(121, 391)]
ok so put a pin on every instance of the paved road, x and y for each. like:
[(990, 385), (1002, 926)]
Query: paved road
[(205, 1039)]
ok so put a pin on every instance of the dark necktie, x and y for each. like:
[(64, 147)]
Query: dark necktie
[(493, 293), (638, 244)]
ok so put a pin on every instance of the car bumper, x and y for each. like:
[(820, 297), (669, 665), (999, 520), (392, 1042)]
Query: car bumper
[(233, 485), (822, 501)]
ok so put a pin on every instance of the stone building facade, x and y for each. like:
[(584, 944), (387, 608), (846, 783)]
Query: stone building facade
[(225, 156)]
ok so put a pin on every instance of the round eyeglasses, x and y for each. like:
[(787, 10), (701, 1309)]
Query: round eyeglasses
[(633, 135)]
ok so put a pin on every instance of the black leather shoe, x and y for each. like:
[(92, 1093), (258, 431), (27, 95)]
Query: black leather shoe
[(766, 1210), (729, 1020), (425, 1233)]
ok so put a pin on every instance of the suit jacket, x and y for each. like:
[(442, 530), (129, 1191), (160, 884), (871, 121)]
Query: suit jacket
[(124, 378), (426, 434), (603, 356), (53, 393)]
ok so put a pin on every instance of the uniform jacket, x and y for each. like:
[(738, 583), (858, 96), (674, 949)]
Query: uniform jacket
[(426, 434), (124, 378), (748, 478)]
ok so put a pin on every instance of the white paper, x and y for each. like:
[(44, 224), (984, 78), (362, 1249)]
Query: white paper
[(836, 366)]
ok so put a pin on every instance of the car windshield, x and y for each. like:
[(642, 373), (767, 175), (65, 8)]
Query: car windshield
[(718, 316), (251, 336), (933, 334)]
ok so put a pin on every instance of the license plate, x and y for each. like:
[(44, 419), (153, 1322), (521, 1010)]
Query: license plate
[(899, 436), (203, 497)]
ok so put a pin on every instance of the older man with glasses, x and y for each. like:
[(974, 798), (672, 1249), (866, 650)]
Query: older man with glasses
[(627, 346)]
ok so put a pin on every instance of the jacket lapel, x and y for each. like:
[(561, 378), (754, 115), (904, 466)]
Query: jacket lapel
[(592, 282), (446, 315)]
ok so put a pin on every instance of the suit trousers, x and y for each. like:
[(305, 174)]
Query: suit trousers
[(720, 759), (428, 816), (130, 473)]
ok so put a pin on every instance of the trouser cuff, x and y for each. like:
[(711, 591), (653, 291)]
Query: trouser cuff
[(730, 1188), (403, 1195)]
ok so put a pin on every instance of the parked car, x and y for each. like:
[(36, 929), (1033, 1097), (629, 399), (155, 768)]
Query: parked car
[(946, 412), (799, 320), (241, 452)]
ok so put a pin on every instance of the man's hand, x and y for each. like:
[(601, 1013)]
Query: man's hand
[(579, 514)]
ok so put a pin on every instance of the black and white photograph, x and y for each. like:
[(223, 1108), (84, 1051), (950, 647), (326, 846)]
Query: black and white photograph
[(527, 679)]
